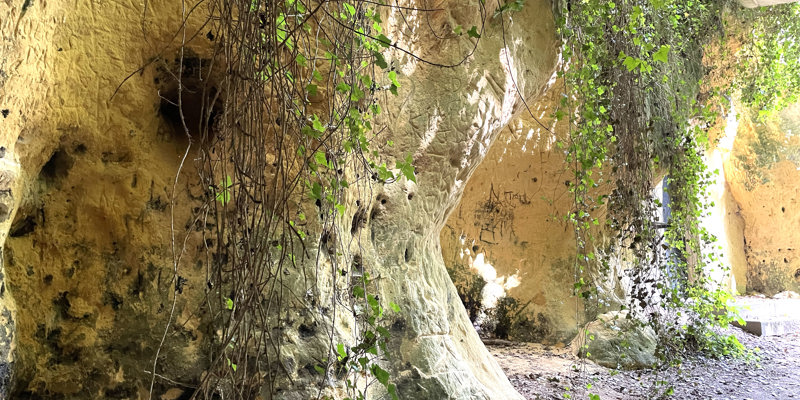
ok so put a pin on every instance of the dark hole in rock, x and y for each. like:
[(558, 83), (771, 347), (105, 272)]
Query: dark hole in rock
[(57, 167), (48, 279), (306, 331), (408, 254), (410, 196), (783, 209), (785, 261), (195, 102), (5, 113), (114, 300), (797, 274), (61, 304), (398, 326), (359, 220)]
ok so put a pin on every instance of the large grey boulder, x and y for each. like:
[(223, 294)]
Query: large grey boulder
[(615, 341)]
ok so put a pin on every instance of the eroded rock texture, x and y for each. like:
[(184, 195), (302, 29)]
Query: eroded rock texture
[(507, 245), (102, 253), (765, 181), (510, 222)]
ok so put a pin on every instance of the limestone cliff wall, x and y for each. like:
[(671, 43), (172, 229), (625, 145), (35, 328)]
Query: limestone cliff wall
[(724, 219), (765, 181), (88, 254), (509, 228), (510, 220)]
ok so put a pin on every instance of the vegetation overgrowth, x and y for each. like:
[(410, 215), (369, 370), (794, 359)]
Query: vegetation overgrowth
[(633, 72), (306, 80)]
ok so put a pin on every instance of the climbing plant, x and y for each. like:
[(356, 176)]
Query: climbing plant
[(632, 74), (290, 149), (769, 60), (295, 132)]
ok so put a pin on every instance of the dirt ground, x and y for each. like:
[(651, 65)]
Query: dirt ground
[(546, 372)]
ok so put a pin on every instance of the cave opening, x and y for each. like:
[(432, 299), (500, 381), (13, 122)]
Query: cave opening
[(190, 99)]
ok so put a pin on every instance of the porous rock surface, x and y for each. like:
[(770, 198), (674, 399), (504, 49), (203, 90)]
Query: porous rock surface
[(764, 179), (512, 215), (91, 201)]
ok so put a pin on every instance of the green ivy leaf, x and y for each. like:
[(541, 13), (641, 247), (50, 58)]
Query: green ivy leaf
[(224, 196), (473, 32), (301, 60), (631, 63), (662, 54), (320, 159), (343, 87), (229, 303), (342, 353), (393, 78), (357, 94), (384, 174), (380, 374), (317, 124), (384, 41), (380, 61), (316, 191), (407, 169), (392, 389)]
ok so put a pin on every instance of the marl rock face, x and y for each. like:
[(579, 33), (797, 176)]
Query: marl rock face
[(90, 213), (509, 228), (764, 179)]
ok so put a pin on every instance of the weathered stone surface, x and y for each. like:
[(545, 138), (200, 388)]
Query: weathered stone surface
[(764, 179), (450, 129), (724, 219), (90, 250), (614, 341), (509, 227), (763, 3)]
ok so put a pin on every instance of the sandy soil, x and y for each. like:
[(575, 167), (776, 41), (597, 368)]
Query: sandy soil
[(544, 372)]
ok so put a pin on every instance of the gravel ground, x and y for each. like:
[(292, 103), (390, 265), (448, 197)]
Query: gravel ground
[(544, 372)]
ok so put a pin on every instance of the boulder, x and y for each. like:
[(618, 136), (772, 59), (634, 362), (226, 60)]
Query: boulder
[(614, 340)]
